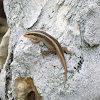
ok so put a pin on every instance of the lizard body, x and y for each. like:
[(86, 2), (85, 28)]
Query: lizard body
[(52, 44)]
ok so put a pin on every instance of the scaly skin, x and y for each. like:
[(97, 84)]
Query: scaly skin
[(52, 44)]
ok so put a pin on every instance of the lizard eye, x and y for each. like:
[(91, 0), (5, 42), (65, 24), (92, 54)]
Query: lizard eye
[(28, 34)]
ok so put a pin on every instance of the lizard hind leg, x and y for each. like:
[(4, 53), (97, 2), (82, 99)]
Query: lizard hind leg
[(65, 50), (49, 51)]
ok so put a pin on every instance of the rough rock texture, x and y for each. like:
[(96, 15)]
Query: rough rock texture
[(4, 48), (75, 24)]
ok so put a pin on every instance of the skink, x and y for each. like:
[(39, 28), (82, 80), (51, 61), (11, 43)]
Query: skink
[(52, 44)]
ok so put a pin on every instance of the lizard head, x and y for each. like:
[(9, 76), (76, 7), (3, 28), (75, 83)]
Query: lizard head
[(30, 35)]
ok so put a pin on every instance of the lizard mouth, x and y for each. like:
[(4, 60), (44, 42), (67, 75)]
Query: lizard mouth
[(25, 35)]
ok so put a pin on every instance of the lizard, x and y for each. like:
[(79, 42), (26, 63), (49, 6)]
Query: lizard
[(53, 45)]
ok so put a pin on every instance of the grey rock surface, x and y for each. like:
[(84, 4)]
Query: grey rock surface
[(75, 24)]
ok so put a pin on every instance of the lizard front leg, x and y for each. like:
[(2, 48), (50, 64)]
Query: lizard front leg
[(36, 41)]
